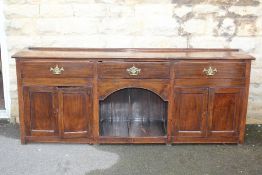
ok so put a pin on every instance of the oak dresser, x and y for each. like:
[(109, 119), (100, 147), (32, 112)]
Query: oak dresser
[(132, 95)]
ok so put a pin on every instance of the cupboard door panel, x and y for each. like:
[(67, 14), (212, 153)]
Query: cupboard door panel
[(75, 111), (40, 111), (224, 111), (190, 111)]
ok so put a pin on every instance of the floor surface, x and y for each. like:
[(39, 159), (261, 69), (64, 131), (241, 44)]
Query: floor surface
[(81, 159)]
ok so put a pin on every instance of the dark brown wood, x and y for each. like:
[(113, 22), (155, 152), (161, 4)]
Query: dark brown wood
[(135, 55), (75, 104), (21, 103), (51, 139), (40, 107), (132, 140), (58, 111), (71, 69), (95, 127), (205, 140), (210, 82), (242, 121), (195, 69), (95, 99), (57, 81), (191, 112), (150, 70), (109, 86), (224, 111), (171, 110)]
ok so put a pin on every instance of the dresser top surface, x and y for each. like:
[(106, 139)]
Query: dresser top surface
[(131, 53)]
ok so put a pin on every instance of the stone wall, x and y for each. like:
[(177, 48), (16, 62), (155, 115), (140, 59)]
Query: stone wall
[(139, 23)]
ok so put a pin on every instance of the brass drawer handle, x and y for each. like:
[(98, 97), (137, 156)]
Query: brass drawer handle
[(133, 71), (56, 70), (210, 71)]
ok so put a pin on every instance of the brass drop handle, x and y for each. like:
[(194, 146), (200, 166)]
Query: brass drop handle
[(210, 71), (133, 71), (56, 70)]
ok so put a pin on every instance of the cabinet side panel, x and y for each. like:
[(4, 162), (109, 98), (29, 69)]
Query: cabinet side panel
[(21, 102), (244, 99)]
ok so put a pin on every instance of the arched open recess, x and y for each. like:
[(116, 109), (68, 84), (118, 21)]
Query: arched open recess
[(133, 112), (111, 91)]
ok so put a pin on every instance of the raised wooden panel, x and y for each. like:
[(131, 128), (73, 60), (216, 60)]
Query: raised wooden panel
[(190, 112), (75, 110), (151, 70), (224, 111), (41, 69), (190, 69), (40, 111)]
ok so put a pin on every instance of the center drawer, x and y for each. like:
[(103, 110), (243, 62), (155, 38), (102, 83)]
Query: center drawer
[(133, 70), (56, 69)]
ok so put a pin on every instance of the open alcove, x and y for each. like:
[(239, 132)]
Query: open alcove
[(133, 112)]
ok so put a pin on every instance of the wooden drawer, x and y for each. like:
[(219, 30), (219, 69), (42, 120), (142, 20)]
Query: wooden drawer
[(155, 70), (48, 69), (191, 69)]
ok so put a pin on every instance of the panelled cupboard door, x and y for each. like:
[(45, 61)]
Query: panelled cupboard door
[(75, 111), (40, 111), (190, 112), (224, 111)]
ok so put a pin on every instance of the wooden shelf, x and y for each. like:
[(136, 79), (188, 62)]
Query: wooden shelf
[(132, 128)]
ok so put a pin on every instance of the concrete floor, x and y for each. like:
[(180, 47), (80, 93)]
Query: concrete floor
[(77, 159)]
